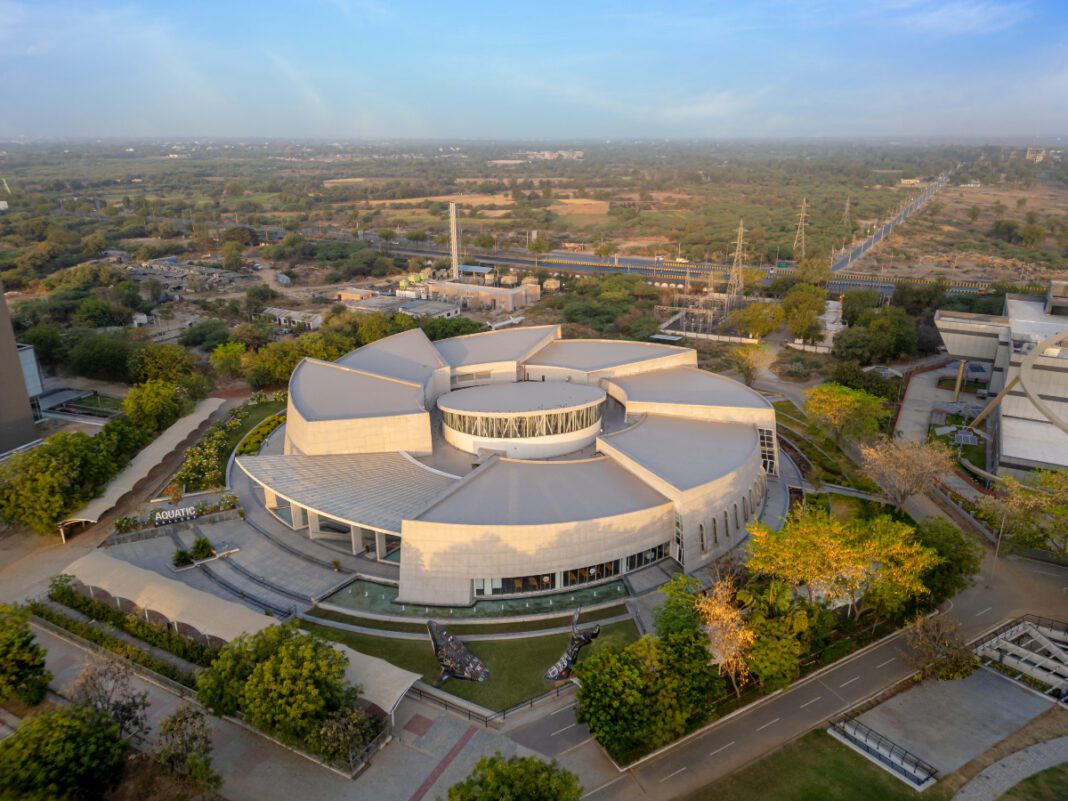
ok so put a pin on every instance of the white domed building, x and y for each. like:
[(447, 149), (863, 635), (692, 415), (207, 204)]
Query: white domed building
[(515, 462)]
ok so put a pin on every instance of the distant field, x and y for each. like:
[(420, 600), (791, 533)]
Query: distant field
[(580, 206), (343, 181), (499, 199)]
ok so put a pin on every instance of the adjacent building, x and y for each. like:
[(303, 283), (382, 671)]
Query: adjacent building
[(17, 427), (514, 462), (1027, 350)]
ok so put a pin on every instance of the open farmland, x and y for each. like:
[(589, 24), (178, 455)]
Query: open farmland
[(955, 238)]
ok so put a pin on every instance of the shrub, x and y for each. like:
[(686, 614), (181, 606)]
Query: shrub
[(202, 549), (22, 659), (182, 558)]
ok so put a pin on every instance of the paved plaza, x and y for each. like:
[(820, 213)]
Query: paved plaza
[(950, 723)]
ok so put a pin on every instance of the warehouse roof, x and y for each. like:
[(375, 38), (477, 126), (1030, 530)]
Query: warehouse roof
[(600, 354), (408, 356), (327, 391), (518, 492), (509, 344), (685, 453), (375, 490)]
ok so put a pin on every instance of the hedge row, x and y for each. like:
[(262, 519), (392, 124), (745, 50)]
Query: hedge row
[(171, 641), (252, 443), (124, 649)]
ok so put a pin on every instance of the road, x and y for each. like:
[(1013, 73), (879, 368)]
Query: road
[(1011, 588)]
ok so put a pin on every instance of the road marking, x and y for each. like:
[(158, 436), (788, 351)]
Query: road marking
[(607, 784), (560, 731), (561, 709), (855, 678), (670, 775), (887, 662), (575, 747), (984, 611), (769, 723), (814, 700), (722, 748)]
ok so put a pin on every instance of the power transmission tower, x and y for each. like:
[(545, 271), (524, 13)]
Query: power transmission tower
[(845, 213), (799, 237), (736, 284)]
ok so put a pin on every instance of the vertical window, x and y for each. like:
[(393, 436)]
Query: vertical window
[(715, 533), (737, 522), (726, 523), (767, 451), (701, 533)]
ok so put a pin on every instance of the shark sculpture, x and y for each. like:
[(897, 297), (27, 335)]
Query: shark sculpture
[(562, 667), (455, 660)]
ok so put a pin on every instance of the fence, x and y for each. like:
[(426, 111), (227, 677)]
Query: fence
[(915, 770), (472, 713)]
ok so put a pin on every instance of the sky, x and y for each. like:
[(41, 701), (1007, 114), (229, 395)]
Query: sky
[(583, 69)]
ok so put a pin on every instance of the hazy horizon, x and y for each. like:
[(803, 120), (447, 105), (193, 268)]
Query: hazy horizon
[(362, 70)]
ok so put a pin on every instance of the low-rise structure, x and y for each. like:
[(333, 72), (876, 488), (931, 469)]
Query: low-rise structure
[(1027, 348), (494, 298), (292, 320)]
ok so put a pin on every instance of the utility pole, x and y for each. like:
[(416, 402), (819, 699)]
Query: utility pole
[(799, 237)]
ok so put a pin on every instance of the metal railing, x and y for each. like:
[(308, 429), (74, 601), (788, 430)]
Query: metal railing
[(886, 751), (486, 720)]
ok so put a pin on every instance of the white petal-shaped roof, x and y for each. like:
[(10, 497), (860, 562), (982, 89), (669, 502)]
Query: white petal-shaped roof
[(408, 356), (506, 345), (591, 355), (376, 490), (689, 386), (328, 391), (519, 492), (686, 453)]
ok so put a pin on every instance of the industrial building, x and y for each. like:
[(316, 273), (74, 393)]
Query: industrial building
[(1027, 349), (491, 298), (515, 462)]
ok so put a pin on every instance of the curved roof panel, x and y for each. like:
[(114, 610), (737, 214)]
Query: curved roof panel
[(517, 493), (327, 391), (600, 354), (689, 386), (522, 396), (407, 356), (506, 345), (376, 490), (685, 453)]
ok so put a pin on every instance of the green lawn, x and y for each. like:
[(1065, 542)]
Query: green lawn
[(814, 768), (471, 628), (102, 402), (1049, 785), (516, 666)]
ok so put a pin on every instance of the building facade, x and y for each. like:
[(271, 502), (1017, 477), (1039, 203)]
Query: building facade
[(515, 462), (1027, 350)]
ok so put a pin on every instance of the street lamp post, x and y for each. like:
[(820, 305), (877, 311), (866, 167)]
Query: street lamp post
[(997, 547)]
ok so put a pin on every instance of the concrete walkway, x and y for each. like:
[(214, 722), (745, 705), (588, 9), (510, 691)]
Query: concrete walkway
[(1006, 773)]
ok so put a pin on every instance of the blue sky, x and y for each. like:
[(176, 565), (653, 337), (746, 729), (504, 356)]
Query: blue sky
[(495, 70)]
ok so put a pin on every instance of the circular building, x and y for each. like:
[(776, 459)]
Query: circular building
[(514, 462)]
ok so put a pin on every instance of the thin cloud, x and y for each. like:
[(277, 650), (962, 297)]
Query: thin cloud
[(962, 16)]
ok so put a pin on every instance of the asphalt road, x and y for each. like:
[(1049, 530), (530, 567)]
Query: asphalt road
[(1013, 588)]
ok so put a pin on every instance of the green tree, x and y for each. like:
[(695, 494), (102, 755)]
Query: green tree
[(757, 320), (973, 213), (161, 362), (22, 660), (959, 557), (206, 335), (539, 247), (1032, 512), (677, 615), (104, 686), (232, 254), (183, 747), (1031, 234), (937, 648), (857, 301), (802, 307), (100, 313), (516, 778), (46, 341), (226, 358), (774, 658), (156, 404), (257, 296), (70, 753), (846, 412), (94, 244)]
